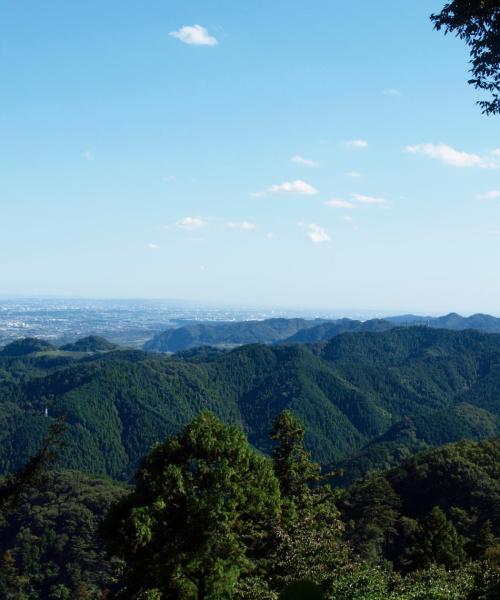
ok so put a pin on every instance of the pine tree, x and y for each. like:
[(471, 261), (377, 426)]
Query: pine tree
[(198, 518), (438, 542)]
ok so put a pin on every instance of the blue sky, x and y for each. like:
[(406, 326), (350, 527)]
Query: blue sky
[(322, 154)]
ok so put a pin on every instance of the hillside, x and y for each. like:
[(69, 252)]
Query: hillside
[(366, 399), (453, 321), (26, 346), (91, 343), (226, 334), (455, 488), (328, 330)]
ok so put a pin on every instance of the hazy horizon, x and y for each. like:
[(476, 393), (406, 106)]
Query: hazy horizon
[(281, 154)]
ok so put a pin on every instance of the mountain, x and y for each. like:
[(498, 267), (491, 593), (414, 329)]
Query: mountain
[(226, 334), (329, 329), (51, 538), (277, 331), (367, 398), (454, 321), (91, 343), (452, 491), (26, 346)]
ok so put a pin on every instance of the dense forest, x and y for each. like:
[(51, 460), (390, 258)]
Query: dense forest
[(210, 517), (350, 464), (283, 330), (367, 400)]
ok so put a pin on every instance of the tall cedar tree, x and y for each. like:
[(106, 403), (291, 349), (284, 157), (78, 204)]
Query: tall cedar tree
[(201, 510)]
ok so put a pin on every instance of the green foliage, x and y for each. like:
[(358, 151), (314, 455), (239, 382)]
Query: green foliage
[(302, 590), (366, 400), (478, 23), (200, 512), (49, 541), (440, 507), (437, 542)]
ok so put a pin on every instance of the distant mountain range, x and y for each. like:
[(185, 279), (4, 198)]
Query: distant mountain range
[(300, 330), (367, 399)]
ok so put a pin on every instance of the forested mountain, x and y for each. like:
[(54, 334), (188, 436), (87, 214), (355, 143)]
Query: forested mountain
[(301, 330), (481, 322), (443, 502), (226, 334), (329, 329), (91, 343), (26, 346), (366, 399), (49, 542)]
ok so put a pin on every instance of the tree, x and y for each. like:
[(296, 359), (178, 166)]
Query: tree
[(372, 507), (35, 468), (438, 542), (478, 23), (12, 584), (308, 542), (292, 463), (198, 518)]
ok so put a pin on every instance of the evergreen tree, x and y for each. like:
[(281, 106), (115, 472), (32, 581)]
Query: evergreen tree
[(198, 518), (308, 542), (12, 584), (438, 542), (372, 509), (292, 463)]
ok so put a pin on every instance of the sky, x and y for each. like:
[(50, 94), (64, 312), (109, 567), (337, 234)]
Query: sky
[(320, 154)]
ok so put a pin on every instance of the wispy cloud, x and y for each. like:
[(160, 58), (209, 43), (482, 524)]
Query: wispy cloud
[(191, 223), (317, 234), (354, 174), (169, 178), (300, 160), (195, 35), (455, 158), (363, 199), (294, 187), (153, 246), (491, 195), (339, 203), (87, 155), (357, 144), (244, 225), (391, 92)]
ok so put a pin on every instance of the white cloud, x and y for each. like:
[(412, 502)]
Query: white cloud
[(191, 223), (317, 234), (363, 199), (347, 218), (492, 195), (153, 246), (354, 174), (258, 194), (391, 92), (339, 203), (195, 35), (244, 225), (270, 235), (357, 143), (294, 187), (87, 155), (300, 160), (169, 178), (456, 158)]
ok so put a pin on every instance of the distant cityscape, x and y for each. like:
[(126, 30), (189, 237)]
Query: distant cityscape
[(127, 322)]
